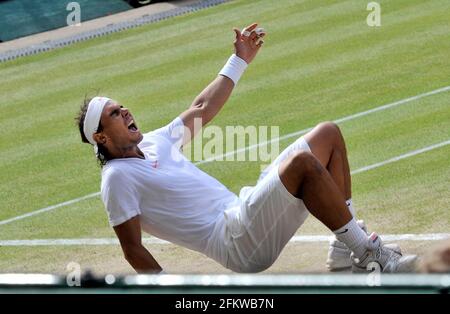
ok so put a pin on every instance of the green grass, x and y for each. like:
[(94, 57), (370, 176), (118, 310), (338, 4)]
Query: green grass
[(320, 62)]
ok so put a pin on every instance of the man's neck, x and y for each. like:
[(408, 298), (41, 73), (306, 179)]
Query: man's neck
[(129, 152)]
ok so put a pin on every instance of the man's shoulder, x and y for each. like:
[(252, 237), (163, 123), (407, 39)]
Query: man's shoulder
[(114, 170), (153, 139), (116, 177)]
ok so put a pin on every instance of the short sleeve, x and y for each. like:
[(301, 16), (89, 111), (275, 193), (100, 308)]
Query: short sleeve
[(173, 132), (120, 198)]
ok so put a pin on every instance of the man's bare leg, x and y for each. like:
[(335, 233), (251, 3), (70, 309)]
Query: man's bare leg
[(328, 145), (304, 177)]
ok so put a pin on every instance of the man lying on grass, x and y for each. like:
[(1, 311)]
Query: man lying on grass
[(148, 184)]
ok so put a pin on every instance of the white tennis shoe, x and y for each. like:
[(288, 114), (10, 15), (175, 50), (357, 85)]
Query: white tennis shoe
[(339, 254), (383, 258)]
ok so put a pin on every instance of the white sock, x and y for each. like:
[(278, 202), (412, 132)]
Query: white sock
[(350, 207), (353, 236), (349, 203)]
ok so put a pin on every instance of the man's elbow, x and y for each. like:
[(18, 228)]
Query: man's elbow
[(198, 105), (141, 262), (201, 111), (132, 253), (130, 257)]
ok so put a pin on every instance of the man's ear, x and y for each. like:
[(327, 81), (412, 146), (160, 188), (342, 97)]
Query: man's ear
[(100, 138)]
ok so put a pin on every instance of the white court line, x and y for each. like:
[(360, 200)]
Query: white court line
[(297, 133), (385, 237), (152, 240), (46, 209), (404, 156)]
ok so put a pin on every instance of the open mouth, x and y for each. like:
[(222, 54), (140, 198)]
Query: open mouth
[(132, 126)]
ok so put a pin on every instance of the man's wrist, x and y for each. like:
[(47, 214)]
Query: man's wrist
[(242, 58), (234, 68)]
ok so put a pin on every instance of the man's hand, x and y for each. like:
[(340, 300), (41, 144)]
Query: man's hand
[(246, 47)]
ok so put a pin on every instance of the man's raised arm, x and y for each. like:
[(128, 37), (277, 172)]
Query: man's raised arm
[(209, 102)]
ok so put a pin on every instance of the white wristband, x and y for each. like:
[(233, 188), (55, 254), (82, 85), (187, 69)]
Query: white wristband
[(234, 68)]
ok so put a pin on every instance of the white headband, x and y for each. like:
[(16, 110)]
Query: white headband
[(92, 118)]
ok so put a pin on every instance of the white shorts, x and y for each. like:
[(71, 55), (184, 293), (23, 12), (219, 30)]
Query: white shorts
[(268, 216)]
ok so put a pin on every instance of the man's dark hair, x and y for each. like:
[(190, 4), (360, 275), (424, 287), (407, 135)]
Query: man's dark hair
[(103, 155)]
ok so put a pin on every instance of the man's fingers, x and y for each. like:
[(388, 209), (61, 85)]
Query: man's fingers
[(246, 33), (259, 31), (251, 27), (248, 30), (256, 36), (252, 34), (238, 33)]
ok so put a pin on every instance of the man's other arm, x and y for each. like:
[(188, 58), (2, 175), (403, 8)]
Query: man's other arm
[(129, 234)]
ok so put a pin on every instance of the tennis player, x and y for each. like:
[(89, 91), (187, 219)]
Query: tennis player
[(148, 185)]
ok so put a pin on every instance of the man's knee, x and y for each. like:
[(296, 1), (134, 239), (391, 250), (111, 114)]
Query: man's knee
[(304, 161), (329, 128), (331, 131)]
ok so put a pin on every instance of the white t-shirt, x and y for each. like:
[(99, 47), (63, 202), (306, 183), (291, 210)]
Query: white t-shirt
[(176, 201)]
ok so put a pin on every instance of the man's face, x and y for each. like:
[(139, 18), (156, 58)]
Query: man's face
[(119, 127)]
